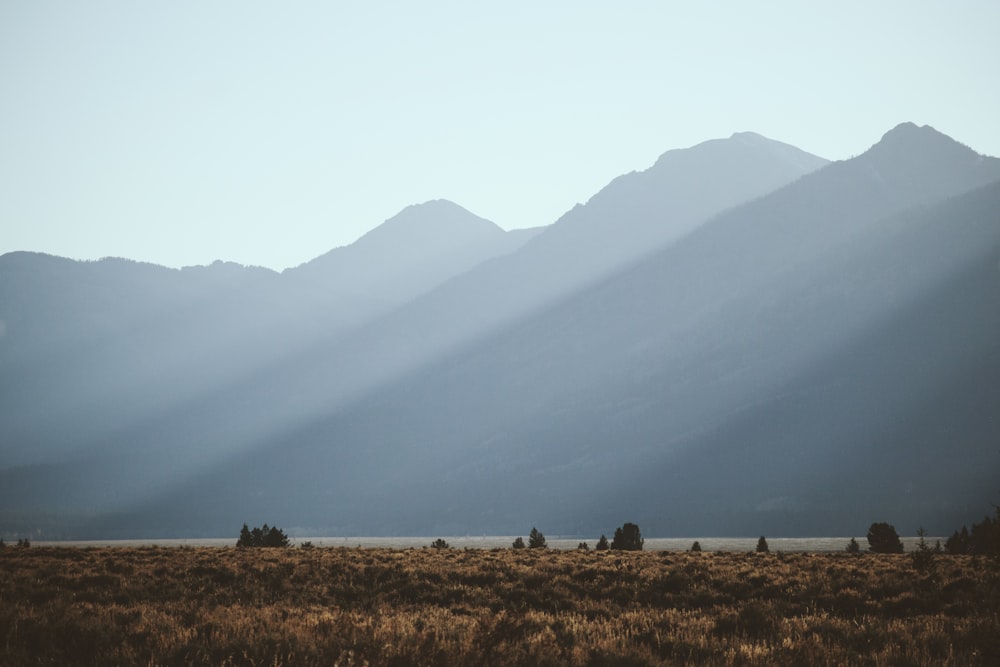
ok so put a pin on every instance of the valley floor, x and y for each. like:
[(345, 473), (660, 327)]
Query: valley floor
[(349, 606)]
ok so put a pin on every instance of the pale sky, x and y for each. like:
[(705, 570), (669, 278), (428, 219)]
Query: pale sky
[(267, 133)]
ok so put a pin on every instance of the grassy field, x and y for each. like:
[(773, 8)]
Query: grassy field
[(338, 606)]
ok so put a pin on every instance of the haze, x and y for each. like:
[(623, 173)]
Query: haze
[(185, 132)]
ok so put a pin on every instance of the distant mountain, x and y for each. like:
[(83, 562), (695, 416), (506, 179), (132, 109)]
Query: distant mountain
[(627, 220), (810, 362), (92, 350), (820, 356), (421, 247), (637, 213)]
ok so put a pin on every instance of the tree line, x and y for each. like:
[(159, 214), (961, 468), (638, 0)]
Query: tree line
[(982, 539)]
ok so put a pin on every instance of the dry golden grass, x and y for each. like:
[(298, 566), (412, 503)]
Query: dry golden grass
[(155, 606)]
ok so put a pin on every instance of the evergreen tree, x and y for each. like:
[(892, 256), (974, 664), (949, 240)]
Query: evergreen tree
[(696, 547), (628, 538), (853, 547), (762, 547), (536, 540), (602, 544), (265, 536), (518, 543), (883, 539)]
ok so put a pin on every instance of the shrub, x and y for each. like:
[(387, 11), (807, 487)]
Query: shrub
[(440, 544), (883, 539), (582, 546), (628, 538), (853, 547), (762, 547), (518, 543), (536, 540), (602, 544), (265, 536), (696, 547)]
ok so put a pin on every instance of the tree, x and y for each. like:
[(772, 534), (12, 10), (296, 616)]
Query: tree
[(602, 544), (582, 546), (983, 539), (518, 543), (440, 544), (853, 547), (883, 539), (628, 538), (923, 557), (265, 536), (958, 543), (762, 547), (696, 547), (536, 540)]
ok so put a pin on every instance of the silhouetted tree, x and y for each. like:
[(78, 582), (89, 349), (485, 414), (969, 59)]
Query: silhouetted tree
[(582, 546), (628, 538), (602, 544), (883, 539), (958, 543), (696, 547), (762, 547), (518, 543), (983, 539), (265, 536), (535, 539), (440, 544), (923, 556), (853, 547)]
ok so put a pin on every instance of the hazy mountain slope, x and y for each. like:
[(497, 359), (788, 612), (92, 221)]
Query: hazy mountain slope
[(307, 362), (810, 362), (637, 213), (791, 366), (626, 220), (809, 422), (93, 353), (419, 248)]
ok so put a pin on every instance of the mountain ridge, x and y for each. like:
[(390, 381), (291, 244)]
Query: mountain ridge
[(678, 390)]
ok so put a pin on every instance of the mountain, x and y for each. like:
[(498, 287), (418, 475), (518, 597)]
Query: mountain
[(625, 221), (816, 359), (421, 247), (93, 350), (809, 362), (637, 213)]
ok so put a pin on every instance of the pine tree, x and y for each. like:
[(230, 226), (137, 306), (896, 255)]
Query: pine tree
[(883, 539), (628, 538), (536, 540)]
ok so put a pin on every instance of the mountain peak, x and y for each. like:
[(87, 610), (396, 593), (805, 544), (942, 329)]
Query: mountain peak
[(907, 138), (748, 136), (439, 219)]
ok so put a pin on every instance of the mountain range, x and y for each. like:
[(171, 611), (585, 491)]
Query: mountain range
[(741, 339)]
